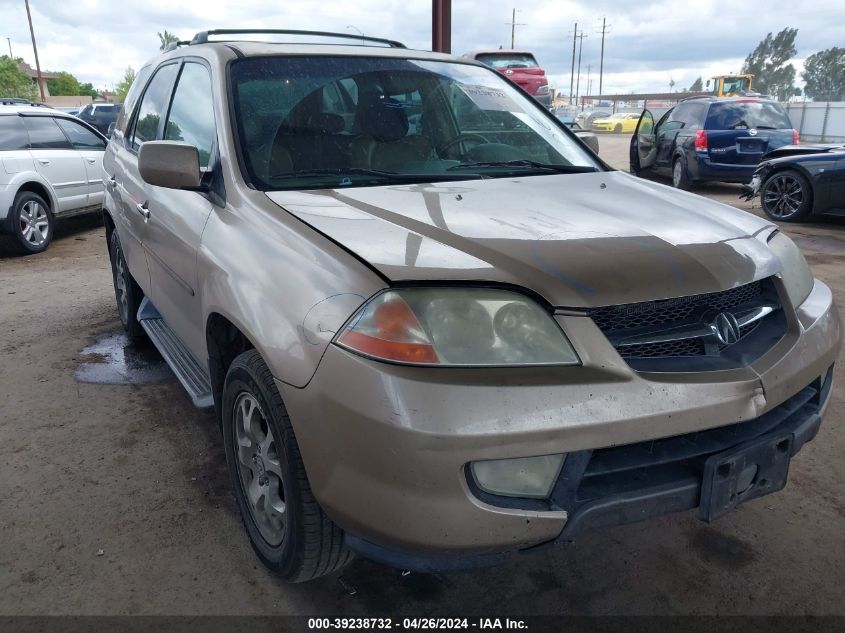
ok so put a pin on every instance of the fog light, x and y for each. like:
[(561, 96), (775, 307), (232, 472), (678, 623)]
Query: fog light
[(521, 477)]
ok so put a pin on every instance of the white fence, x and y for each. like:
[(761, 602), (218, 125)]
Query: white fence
[(822, 122)]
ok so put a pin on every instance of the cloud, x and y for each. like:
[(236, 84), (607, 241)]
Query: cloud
[(647, 44)]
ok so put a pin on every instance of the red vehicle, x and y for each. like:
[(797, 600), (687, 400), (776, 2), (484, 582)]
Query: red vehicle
[(520, 67)]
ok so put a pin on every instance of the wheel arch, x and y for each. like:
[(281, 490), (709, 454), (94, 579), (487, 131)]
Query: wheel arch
[(225, 341), (40, 189)]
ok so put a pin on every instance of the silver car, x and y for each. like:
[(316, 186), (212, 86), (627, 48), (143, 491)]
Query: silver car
[(434, 326)]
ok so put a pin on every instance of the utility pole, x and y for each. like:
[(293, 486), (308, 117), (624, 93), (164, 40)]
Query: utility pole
[(9, 40), (35, 50), (514, 24), (588, 83), (572, 72), (581, 37), (441, 26), (604, 31)]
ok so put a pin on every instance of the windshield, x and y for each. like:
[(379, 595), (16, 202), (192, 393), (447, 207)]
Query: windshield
[(326, 122)]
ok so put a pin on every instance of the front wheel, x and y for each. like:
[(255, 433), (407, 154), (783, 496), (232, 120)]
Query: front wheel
[(287, 528), (786, 196)]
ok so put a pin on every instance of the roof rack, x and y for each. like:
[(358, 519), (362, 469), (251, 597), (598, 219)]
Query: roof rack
[(202, 36)]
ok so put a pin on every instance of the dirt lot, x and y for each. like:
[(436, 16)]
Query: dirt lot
[(114, 498)]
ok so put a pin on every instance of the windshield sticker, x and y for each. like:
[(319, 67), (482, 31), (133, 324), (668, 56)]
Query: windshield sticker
[(488, 98)]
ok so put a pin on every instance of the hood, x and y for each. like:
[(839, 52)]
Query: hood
[(579, 240)]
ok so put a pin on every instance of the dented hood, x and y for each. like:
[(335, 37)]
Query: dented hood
[(579, 240)]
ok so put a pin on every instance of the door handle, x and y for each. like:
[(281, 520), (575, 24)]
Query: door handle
[(143, 210), (43, 161), (91, 161), (111, 182)]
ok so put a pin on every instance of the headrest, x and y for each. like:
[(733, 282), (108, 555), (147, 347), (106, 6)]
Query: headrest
[(326, 123), (385, 119)]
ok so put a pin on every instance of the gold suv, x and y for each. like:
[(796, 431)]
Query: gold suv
[(435, 327)]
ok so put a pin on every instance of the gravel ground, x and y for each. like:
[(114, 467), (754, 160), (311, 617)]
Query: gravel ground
[(114, 498)]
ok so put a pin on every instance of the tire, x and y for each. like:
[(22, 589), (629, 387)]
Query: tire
[(786, 196), (618, 128), (127, 294), (287, 528), (680, 179), (31, 224)]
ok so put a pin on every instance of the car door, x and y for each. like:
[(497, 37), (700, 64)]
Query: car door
[(643, 149), (57, 162), (667, 132), (123, 177), (91, 146), (177, 218)]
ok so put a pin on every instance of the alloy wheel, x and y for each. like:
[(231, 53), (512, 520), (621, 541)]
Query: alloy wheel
[(121, 283), (259, 468), (35, 225), (677, 173), (783, 196)]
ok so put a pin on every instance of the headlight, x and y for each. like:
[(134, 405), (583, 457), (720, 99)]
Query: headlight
[(458, 327), (797, 276), (521, 477)]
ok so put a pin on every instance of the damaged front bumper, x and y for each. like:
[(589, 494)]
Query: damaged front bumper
[(387, 447), (752, 189)]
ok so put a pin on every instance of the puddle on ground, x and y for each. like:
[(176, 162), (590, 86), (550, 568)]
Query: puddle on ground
[(114, 360)]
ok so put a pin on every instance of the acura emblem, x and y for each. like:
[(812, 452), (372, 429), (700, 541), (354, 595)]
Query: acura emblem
[(509, 72), (726, 328)]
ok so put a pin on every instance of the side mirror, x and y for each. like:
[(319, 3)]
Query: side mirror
[(170, 164)]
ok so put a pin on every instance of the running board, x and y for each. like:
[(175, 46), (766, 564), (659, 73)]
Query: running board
[(191, 374)]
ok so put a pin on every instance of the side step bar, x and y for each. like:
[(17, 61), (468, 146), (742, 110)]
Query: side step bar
[(193, 376)]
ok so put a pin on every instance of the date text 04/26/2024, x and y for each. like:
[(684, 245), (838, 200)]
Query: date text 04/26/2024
[(416, 624)]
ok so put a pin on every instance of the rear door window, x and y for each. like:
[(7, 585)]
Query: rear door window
[(744, 115), (153, 105), (44, 133), (80, 136), (12, 133), (132, 98)]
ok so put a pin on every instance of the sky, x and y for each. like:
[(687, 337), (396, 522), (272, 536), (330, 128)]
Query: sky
[(648, 43)]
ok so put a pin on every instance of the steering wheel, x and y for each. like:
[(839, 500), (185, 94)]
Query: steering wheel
[(460, 138)]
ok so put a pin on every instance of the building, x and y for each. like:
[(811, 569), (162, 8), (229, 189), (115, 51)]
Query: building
[(33, 74)]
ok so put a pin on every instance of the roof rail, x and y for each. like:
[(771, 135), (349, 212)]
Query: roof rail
[(174, 45), (202, 36)]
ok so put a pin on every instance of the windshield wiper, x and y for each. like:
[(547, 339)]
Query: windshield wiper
[(360, 171), (530, 164)]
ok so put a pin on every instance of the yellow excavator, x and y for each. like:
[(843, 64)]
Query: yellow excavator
[(731, 85)]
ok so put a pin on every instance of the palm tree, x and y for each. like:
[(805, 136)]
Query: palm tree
[(166, 39)]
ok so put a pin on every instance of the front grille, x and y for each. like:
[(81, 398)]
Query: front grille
[(642, 320), (667, 311)]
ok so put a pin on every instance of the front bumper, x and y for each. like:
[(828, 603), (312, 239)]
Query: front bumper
[(386, 447)]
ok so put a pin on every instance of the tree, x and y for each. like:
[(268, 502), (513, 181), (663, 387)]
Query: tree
[(166, 38), (14, 82), (824, 73), (768, 64), (124, 85), (64, 84), (88, 89), (696, 86)]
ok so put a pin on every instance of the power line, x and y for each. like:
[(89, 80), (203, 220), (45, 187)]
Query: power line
[(513, 23)]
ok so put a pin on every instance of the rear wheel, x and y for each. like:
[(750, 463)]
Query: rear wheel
[(286, 526), (31, 223), (127, 293), (618, 128), (786, 196), (680, 179)]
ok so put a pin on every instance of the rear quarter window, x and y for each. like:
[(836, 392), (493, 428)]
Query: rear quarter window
[(12, 133), (735, 115)]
